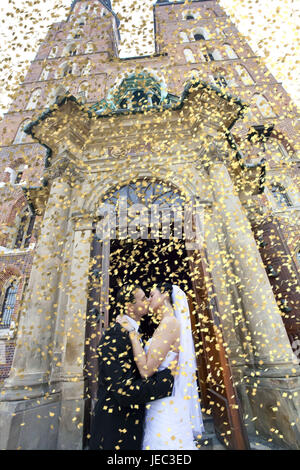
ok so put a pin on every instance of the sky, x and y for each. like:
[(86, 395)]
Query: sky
[(270, 26)]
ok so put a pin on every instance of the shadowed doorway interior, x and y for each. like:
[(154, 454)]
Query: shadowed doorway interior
[(147, 262)]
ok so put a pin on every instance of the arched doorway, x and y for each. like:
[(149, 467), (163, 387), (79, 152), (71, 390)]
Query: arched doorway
[(148, 259)]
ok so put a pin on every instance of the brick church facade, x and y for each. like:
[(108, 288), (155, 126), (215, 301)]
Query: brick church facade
[(79, 113)]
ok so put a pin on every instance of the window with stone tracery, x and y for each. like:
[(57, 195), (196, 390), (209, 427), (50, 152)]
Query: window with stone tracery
[(280, 195), (24, 231), (8, 304)]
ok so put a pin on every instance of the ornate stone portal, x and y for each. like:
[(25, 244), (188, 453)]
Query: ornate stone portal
[(42, 406)]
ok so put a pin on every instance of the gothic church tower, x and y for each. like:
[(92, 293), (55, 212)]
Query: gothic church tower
[(201, 118)]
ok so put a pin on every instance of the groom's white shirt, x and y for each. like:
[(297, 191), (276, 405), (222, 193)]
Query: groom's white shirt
[(132, 322)]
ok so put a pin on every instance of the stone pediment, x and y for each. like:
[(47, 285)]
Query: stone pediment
[(200, 105), (201, 112)]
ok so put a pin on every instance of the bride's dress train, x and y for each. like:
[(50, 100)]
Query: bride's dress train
[(172, 422)]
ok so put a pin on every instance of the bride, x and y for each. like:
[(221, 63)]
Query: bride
[(175, 421)]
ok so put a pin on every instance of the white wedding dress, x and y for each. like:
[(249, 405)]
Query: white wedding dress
[(174, 422)]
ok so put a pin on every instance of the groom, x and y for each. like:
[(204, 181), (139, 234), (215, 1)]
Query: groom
[(118, 417)]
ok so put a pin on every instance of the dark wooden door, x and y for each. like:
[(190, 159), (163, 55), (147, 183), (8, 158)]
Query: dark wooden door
[(94, 328), (282, 272), (217, 389)]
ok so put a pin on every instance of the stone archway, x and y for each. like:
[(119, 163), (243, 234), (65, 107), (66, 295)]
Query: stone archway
[(147, 191)]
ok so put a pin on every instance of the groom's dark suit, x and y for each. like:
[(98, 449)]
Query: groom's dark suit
[(118, 417)]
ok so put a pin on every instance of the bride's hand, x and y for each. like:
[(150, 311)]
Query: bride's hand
[(173, 366), (123, 322)]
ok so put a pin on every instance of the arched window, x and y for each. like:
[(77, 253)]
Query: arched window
[(298, 256), (87, 69), (220, 80), (20, 135), (280, 195), (209, 12), (198, 36), (66, 69), (212, 55), (83, 90), (244, 74), (276, 151), (189, 16), (189, 56), (184, 36), (25, 227), (230, 52), (85, 8), (72, 49), (53, 52), (220, 33), (194, 74), (208, 55), (45, 73), (200, 33), (89, 47), (80, 21), (8, 304), (57, 92), (33, 101), (264, 107)]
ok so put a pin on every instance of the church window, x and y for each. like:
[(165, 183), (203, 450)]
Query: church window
[(72, 50), (33, 101), (208, 56), (275, 150), (264, 106), (8, 305), (298, 256), (280, 195), (200, 33), (25, 228), (83, 90), (189, 56), (87, 69), (230, 52), (67, 70), (184, 37), (45, 73), (18, 177), (220, 33), (244, 75), (53, 52), (220, 80), (20, 135), (89, 47), (198, 36)]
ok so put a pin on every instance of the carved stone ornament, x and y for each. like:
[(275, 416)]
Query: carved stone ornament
[(116, 152), (64, 167)]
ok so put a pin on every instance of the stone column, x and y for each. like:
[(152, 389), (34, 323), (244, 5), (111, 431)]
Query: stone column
[(72, 381), (272, 382), (29, 409), (34, 340), (268, 335)]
